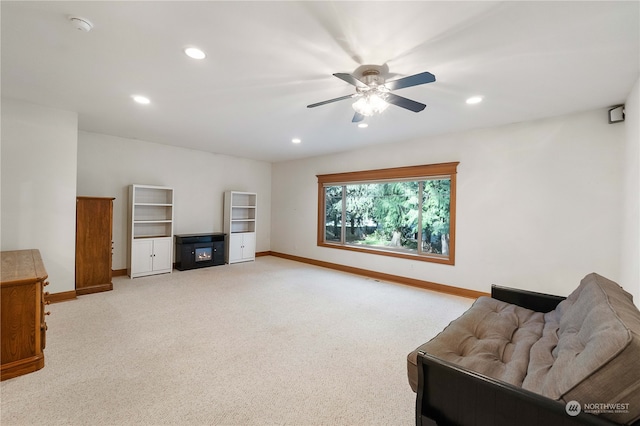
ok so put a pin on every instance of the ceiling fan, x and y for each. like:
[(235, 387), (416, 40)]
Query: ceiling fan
[(373, 94)]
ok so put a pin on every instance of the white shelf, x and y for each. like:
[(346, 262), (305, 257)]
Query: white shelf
[(150, 230), (144, 237), (147, 194), (243, 199), (240, 215), (243, 226), (243, 213), (143, 212)]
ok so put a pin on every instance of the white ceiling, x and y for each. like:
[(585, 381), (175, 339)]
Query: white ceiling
[(268, 60)]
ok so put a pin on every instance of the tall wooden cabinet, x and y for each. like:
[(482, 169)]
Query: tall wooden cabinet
[(240, 212), (23, 327), (94, 244), (150, 230)]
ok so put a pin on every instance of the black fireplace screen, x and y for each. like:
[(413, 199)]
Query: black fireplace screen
[(204, 254), (199, 250)]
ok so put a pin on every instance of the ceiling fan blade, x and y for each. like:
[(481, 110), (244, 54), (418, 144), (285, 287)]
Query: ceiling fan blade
[(412, 80), (331, 100), (357, 117), (405, 103), (351, 80)]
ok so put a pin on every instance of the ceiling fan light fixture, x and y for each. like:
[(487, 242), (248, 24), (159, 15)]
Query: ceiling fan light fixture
[(371, 102), (474, 100), (373, 95)]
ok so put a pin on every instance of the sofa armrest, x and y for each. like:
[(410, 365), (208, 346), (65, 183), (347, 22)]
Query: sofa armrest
[(452, 395), (539, 302)]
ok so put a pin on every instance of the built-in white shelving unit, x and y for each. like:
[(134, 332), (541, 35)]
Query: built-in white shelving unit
[(240, 213), (150, 230)]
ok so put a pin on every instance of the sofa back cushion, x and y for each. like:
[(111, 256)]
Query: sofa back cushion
[(590, 349)]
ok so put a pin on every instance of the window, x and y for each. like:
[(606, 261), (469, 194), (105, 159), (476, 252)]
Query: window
[(406, 212)]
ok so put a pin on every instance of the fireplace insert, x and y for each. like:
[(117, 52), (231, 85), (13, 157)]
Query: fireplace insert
[(199, 250)]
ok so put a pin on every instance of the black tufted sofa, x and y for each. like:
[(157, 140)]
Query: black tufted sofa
[(526, 358)]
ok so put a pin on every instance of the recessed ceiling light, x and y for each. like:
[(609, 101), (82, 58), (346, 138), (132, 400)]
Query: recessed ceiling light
[(474, 100), (194, 53), (296, 140), (141, 99), (363, 125)]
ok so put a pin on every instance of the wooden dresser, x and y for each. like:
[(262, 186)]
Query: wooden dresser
[(94, 244), (22, 302)]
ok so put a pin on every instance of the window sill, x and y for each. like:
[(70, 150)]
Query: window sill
[(433, 258)]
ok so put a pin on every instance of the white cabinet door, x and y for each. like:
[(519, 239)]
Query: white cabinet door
[(162, 254), (242, 246), (142, 256), (249, 246), (235, 247), (151, 255)]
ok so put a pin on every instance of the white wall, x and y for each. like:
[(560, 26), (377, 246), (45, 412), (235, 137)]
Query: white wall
[(107, 165), (538, 203), (39, 148), (630, 256)]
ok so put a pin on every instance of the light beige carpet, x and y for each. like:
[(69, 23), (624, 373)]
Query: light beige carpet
[(271, 342)]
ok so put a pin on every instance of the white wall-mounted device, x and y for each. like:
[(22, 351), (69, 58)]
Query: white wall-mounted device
[(616, 114), (81, 24)]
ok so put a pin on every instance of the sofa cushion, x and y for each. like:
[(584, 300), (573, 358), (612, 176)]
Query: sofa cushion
[(492, 338), (590, 349)]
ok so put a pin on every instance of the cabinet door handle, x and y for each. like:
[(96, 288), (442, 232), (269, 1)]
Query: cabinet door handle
[(48, 313)]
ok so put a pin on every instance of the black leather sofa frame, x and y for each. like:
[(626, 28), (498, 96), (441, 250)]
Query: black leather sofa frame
[(452, 395)]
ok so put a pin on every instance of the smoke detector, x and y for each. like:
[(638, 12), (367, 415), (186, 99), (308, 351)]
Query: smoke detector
[(81, 24)]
